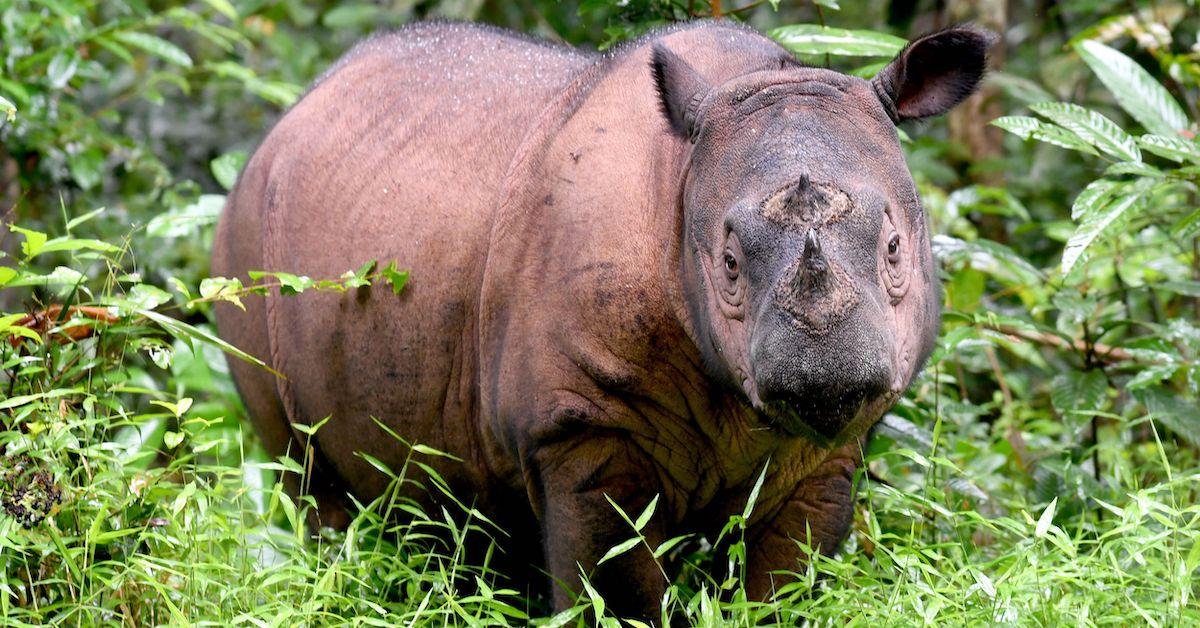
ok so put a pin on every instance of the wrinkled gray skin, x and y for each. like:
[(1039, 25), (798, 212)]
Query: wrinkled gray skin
[(634, 274)]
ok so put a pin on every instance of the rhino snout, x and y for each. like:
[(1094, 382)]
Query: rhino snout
[(820, 384)]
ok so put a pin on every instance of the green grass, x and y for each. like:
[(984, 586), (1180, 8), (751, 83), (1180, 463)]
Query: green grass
[(196, 528)]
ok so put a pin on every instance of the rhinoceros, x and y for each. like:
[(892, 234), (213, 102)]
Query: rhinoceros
[(645, 274)]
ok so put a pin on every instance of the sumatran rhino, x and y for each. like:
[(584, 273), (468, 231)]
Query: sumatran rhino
[(649, 272)]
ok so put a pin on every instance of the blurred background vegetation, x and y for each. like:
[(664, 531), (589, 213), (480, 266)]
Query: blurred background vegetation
[(1043, 469)]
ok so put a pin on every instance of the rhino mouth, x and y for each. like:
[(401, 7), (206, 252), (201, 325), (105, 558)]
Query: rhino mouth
[(829, 423)]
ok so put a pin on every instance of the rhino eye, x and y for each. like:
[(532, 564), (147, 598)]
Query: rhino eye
[(894, 248), (731, 266)]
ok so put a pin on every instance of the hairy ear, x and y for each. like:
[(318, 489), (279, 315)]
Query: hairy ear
[(680, 90), (934, 73)]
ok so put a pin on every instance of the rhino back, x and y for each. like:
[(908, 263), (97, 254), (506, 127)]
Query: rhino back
[(397, 153)]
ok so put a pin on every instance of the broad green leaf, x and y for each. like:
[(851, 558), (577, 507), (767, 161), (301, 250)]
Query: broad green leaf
[(34, 240), (1032, 128), (142, 297), (7, 274), (1151, 375), (222, 289), (60, 276), (1173, 148), (816, 39), (397, 279), (1188, 288), (1138, 93), (225, 168), (905, 432), (87, 167), (989, 257), (1180, 416), (1079, 392), (8, 329), (1094, 195), (187, 220), (987, 200), (156, 46), (1097, 222), (1135, 168), (1094, 128)]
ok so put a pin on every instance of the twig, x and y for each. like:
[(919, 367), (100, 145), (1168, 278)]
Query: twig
[(1102, 352)]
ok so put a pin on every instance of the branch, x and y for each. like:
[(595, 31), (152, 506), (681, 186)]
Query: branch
[(1102, 352)]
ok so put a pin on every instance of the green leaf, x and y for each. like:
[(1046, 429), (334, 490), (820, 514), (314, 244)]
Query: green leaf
[(1096, 222), (350, 15), (1173, 148), (142, 297), (987, 200), (1094, 195), (222, 289), (816, 39), (76, 244), (644, 518), (1094, 128), (172, 439), (987, 256), (289, 284), (224, 8), (1079, 392), (1047, 518), (187, 220), (1180, 416), (1138, 93), (1032, 128), (621, 548), (753, 498), (87, 167), (186, 332), (156, 46), (397, 279), (225, 168), (8, 109), (34, 240), (668, 544), (60, 276), (1135, 168)]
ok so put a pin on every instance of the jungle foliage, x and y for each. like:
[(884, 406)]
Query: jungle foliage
[(1043, 470)]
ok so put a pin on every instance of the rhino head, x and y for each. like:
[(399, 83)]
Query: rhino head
[(807, 267)]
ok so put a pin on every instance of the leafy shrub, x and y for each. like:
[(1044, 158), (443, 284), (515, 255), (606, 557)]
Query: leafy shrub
[(1043, 470)]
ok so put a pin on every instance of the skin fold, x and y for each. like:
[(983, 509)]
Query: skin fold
[(644, 273)]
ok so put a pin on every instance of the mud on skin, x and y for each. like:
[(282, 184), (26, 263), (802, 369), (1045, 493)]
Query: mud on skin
[(633, 274)]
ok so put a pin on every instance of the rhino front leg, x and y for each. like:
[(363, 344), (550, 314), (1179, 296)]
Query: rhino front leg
[(569, 484), (819, 511)]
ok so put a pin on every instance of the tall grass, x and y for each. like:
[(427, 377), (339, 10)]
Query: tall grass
[(133, 493)]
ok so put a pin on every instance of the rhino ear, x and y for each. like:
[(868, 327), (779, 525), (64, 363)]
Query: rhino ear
[(934, 73), (680, 90)]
